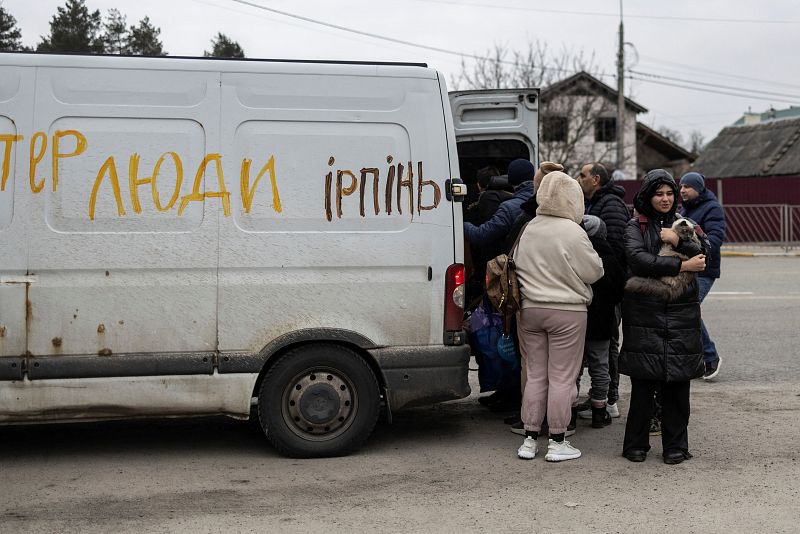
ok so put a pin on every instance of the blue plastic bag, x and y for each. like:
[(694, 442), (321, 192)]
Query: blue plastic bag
[(485, 330), (508, 352)]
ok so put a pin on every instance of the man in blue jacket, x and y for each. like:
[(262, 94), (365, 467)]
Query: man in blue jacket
[(493, 231), (701, 206)]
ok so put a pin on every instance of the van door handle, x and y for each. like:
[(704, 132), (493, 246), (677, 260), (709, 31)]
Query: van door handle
[(455, 190)]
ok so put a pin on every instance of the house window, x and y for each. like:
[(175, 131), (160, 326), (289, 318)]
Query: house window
[(554, 129), (605, 130)]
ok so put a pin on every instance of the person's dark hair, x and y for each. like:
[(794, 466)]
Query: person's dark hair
[(485, 174), (600, 170)]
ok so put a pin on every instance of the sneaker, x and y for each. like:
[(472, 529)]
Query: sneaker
[(585, 413), (655, 427), (560, 451), (712, 369), (518, 428), (528, 449)]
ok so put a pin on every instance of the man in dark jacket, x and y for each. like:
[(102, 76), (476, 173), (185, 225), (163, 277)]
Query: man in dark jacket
[(605, 199), (482, 209), (701, 206), (495, 230), (494, 190)]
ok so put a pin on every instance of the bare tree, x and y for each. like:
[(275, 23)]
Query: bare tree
[(570, 109), (697, 141), (536, 66), (673, 135)]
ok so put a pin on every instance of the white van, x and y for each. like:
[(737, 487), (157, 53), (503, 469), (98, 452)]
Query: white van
[(186, 236)]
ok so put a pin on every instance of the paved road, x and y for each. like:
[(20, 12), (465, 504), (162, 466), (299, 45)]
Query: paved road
[(450, 467)]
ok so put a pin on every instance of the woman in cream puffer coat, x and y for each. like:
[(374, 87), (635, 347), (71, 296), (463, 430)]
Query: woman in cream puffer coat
[(555, 264)]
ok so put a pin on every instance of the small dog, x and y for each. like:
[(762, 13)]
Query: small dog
[(667, 288)]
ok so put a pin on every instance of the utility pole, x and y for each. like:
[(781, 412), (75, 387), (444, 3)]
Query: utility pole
[(620, 94)]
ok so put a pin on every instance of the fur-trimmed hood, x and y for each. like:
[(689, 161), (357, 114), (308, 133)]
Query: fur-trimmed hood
[(559, 195)]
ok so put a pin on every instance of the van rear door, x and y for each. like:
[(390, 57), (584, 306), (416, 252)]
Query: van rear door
[(494, 127)]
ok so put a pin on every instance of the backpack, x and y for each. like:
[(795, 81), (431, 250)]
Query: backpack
[(502, 286)]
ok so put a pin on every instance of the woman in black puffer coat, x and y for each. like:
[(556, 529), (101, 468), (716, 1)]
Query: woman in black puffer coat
[(662, 346)]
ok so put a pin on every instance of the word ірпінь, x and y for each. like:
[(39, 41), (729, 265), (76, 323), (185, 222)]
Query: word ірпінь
[(390, 191)]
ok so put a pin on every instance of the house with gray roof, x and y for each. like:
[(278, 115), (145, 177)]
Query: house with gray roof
[(769, 148)]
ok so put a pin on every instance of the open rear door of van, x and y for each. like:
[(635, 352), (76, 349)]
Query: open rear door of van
[(494, 127)]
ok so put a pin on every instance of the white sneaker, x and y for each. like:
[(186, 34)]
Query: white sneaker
[(528, 449), (560, 451), (586, 414)]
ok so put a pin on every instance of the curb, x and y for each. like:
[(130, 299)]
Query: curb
[(735, 254)]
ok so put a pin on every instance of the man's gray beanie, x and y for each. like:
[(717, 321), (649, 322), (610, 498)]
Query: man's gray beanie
[(594, 226), (694, 180)]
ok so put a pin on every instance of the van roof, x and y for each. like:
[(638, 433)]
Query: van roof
[(81, 58)]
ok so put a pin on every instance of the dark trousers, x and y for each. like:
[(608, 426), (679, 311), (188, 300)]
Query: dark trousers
[(510, 384), (613, 360), (674, 415)]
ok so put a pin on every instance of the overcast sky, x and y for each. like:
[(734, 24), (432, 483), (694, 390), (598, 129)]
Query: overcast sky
[(726, 46)]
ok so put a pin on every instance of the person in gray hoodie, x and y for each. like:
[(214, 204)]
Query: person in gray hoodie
[(555, 265)]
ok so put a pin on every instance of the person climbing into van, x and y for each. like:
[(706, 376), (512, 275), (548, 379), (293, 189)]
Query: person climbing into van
[(490, 236), (495, 230), (493, 191)]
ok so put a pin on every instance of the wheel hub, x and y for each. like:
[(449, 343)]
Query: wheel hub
[(319, 403)]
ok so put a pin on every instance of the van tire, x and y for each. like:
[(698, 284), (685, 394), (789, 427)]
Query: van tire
[(317, 401)]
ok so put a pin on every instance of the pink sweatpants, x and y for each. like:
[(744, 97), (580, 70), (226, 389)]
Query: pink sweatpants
[(551, 342)]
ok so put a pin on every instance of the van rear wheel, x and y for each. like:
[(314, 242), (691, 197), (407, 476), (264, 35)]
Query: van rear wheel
[(318, 400)]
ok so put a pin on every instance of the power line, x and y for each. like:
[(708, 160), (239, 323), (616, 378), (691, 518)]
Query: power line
[(614, 15), (748, 94), (714, 85), (702, 90), (292, 23), (358, 32), (692, 68), (393, 40)]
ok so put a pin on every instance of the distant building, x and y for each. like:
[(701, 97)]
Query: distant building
[(578, 117), (771, 114), (766, 148), (655, 151), (758, 163)]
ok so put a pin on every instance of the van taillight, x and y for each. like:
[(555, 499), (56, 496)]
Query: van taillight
[(454, 305)]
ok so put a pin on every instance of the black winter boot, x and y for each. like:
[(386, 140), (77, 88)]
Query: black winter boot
[(600, 417), (573, 422)]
